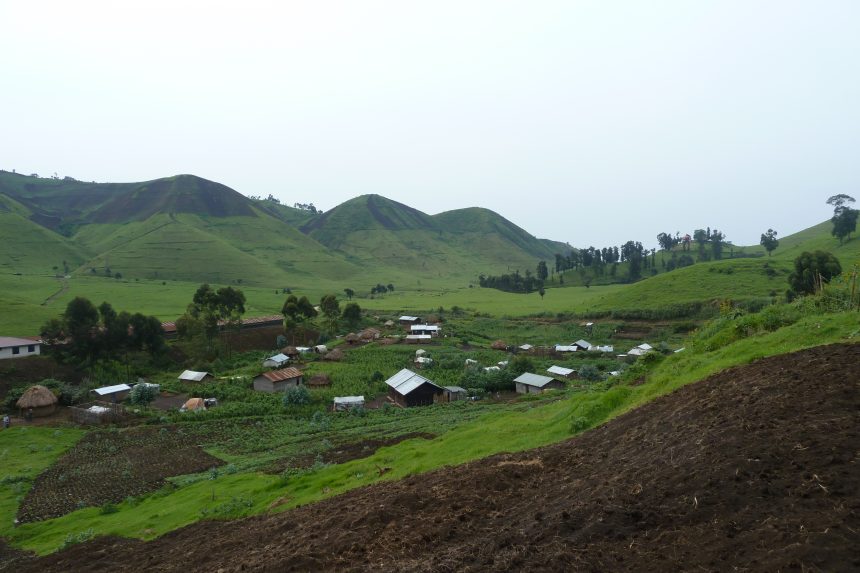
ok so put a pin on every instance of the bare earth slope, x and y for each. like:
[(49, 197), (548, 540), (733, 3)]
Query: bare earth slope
[(753, 469)]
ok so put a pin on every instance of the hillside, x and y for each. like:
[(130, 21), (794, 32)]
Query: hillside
[(700, 479), (461, 243)]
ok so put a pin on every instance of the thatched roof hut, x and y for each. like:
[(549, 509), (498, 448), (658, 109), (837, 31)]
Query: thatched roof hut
[(335, 355), (39, 399), (194, 404), (499, 345), (369, 334), (351, 338), (319, 380), (290, 351)]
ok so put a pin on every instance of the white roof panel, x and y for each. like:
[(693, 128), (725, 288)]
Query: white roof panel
[(409, 318), (530, 379), (112, 389), (191, 375), (561, 348), (645, 346), (353, 400), (429, 327), (582, 343), (560, 370)]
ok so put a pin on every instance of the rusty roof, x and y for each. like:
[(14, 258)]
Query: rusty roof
[(282, 374)]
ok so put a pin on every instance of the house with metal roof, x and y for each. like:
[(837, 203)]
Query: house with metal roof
[(561, 372), (276, 361), (115, 393), (528, 383), (409, 320), (192, 376), (278, 380), (582, 344), (407, 389), (11, 347), (431, 329)]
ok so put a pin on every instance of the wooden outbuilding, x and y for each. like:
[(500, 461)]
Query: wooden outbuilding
[(344, 403), (276, 361), (455, 393), (408, 389), (319, 381), (38, 401), (278, 380), (114, 394), (560, 372)]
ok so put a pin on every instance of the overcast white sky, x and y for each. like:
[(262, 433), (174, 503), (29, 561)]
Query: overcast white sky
[(592, 122)]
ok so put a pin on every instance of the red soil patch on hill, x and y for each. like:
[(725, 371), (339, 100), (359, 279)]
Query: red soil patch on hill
[(753, 469)]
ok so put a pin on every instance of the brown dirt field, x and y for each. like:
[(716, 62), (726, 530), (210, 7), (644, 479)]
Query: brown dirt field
[(108, 466), (753, 469)]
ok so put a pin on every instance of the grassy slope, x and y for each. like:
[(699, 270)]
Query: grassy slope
[(492, 433)]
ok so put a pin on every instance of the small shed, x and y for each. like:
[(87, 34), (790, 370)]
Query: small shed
[(582, 344), (278, 380), (407, 320), (116, 393), (276, 361), (608, 349), (566, 348), (454, 393), (407, 389), (529, 383), (192, 376), (343, 403), (562, 372), (38, 400)]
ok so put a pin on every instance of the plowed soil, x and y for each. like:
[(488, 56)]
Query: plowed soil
[(753, 469)]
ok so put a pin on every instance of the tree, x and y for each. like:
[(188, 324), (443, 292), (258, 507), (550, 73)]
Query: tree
[(209, 309), (349, 293), (390, 287), (81, 326), (352, 314), (769, 241), (542, 271), (541, 292), (844, 217), (330, 308), (701, 237), (717, 241), (811, 270), (666, 241)]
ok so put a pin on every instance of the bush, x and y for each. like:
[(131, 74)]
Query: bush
[(590, 373), (298, 396), (142, 394)]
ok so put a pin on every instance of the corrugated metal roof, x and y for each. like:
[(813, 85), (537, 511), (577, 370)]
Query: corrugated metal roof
[(192, 376), (526, 347), (406, 381), (583, 344), (455, 389), (429, 327), (352, 400), (112, 389), (278, 358), (561, 348), (7, 341), (560, 370), (418, 337), (530, 379), (282, 374), (409, 318), (645, 346)]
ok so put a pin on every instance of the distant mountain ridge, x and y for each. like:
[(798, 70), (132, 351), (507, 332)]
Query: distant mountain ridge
[(189, 228)]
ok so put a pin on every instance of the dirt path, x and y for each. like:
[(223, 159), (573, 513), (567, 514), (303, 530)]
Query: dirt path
[(753, 469), (60, 292)]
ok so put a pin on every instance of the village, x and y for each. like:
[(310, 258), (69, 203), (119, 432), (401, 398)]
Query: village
[(441, 369)]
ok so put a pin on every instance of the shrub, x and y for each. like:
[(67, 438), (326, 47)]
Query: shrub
[(298, 396), (590, 373), (142, 394)]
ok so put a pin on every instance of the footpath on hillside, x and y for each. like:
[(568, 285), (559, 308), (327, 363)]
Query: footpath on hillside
[(753, 469)]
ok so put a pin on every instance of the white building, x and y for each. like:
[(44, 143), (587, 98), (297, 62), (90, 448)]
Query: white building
[(18, 347)]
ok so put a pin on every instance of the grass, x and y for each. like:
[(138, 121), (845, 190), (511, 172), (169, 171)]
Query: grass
[(465, 432)]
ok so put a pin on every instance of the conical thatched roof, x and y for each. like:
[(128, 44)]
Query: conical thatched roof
[(499, 345), (194, 404), (351, 337), (336, 354), (290, 351), (369, 334), (36, 397), (319, 380)]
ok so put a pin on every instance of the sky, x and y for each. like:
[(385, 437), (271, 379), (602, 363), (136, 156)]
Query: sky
[(590, 122)]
